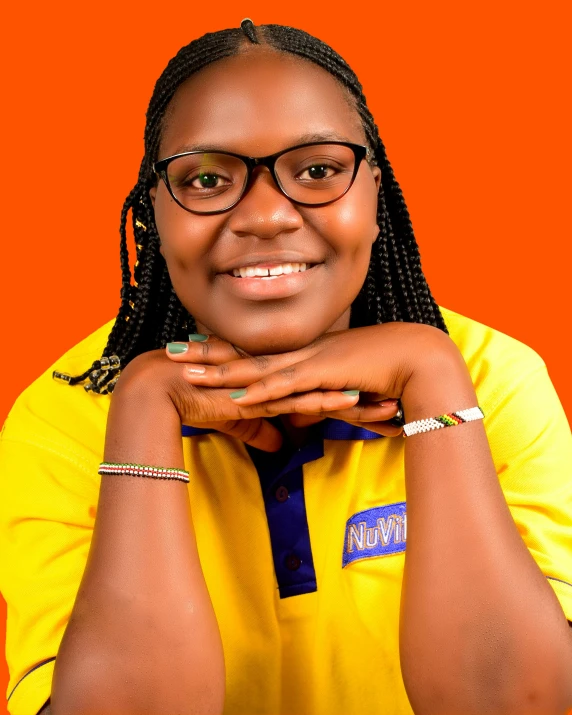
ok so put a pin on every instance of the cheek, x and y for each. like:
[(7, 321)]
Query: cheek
[(177, 231), (355, 224), (185, 239), (184, 236), (349, 225)]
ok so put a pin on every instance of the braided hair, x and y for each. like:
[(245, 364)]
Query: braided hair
[(151, 315)]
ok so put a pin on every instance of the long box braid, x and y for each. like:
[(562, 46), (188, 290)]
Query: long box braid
[(151, 315)]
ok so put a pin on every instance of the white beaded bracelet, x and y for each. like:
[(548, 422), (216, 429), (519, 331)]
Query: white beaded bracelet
[(451, 419), (143, 470)]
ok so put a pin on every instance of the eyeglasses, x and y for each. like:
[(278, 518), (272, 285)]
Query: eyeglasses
[(210, 182)]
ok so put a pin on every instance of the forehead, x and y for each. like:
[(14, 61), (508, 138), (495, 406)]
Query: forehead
[(257, 103)]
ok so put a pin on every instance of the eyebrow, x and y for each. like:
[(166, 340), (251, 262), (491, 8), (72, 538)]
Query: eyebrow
[(304, 139)]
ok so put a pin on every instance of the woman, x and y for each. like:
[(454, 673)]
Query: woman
[(277, 264)]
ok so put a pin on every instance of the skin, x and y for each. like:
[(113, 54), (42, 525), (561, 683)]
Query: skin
[(338, 236), (301, 356)]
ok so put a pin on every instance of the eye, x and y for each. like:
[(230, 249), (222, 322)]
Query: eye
[(317, 171), (206, 180)]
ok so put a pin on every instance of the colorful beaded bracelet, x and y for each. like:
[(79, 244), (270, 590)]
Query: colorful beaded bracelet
[(142, 470), (451, 419)]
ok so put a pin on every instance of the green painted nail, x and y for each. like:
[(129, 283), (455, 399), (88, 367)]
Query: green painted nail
[(176, 348), (350, 393), (198, 338), (238, 393)]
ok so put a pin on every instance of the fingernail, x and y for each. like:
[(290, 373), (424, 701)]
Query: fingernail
[(388, 403), (350, 393), (198, 370), (177, 348), (238, 393), (198, 338)]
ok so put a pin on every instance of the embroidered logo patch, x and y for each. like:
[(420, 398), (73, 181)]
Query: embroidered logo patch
[(375, 532)]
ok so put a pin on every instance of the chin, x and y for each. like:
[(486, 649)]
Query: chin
[(273, 344), (268, 337)]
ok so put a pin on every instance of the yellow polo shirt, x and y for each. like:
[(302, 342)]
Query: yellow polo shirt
[(302, 552)]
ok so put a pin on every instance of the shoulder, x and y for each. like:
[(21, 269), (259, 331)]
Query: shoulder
[(497, 362), (50, 413), (526, 425), (481, 343)]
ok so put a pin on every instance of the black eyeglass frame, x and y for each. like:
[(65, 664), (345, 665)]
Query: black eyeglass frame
[(360, 153)]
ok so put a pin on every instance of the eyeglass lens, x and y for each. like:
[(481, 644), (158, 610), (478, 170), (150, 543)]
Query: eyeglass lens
[(213, 182)]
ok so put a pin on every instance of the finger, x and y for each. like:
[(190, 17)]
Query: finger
[(267, 377), (204, 350), (375, 397), (298, 420), (384, 428), (369, 412), (256, 432), (323, 403), (320, 403)]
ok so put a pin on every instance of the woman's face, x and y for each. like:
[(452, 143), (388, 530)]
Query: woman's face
[(256, 104)]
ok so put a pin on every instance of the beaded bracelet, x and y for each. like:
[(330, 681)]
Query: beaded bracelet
[(141, 470), (450, 419)]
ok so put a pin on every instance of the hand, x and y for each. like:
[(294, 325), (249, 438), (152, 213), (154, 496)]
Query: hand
[(376, 360), (267, 437), (152, 386), (151, 383), (217, 352)]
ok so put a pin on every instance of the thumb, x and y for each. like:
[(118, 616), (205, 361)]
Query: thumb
[(257, 432)]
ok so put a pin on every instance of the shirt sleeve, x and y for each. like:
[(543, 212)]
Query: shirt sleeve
[(48, 498), (531, 446)]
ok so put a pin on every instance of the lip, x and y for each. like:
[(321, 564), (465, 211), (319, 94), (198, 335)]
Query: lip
[(271, 287), (266, 260)]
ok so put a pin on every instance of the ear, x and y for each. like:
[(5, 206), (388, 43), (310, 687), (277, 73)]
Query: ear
[(376, 171), (376, 231)]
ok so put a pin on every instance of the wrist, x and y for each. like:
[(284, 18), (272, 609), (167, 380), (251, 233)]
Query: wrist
[(441, 385), (143, 425)]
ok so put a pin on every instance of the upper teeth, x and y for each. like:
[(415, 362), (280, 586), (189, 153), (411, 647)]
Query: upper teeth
[(252, 271)]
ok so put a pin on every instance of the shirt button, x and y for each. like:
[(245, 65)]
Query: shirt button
[(292, 562), (281, 494)]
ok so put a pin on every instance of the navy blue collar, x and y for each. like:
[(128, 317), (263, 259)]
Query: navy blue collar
[(327, 429), (281, 477)]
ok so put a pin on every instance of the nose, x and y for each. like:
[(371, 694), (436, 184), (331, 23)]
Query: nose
[(264, 211)]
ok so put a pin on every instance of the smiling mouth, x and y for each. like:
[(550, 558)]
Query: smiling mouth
[(270, 271), (271, 281)]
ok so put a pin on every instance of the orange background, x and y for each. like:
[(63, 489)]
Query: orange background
[(471, 103)]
